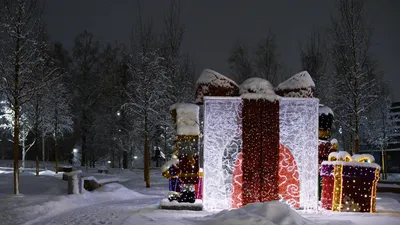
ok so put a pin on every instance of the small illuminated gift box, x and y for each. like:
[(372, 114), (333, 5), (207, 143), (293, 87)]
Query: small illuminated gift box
[(349, 183), (199, 186)]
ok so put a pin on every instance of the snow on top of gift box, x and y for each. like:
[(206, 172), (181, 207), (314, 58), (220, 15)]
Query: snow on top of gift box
[(325, 110), (364, 158), (258, 88), (299, 85), (209, 76), (297, 81), (344, 158), (187, 119), (212, 83), (256, 85), (339, 156)]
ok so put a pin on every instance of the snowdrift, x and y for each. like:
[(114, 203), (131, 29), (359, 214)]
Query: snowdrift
[(267, 213)]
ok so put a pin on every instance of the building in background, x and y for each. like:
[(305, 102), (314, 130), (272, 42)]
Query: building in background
[(393, 150)]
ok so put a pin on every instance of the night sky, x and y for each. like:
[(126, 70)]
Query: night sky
[(214, 25)]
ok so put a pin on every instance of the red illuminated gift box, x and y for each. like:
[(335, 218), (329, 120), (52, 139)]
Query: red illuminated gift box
[(199, 186), (349, 184)]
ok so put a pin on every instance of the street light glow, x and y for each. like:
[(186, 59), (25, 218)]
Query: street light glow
[(118, 113), (135, 157), (75, 150)]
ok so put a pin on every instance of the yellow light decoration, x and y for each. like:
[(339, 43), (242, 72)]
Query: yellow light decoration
[(351, 185), (323, 134), (337, 188), (373, 191), (332, 158), (340, 156)]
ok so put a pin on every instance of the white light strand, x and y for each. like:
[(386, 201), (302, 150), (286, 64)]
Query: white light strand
[(299, 132), (222, 144)]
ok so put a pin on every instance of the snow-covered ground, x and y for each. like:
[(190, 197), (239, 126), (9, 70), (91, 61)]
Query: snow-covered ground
[(44, 201)]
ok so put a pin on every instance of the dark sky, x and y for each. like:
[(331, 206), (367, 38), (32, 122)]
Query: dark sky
[(214, 25)]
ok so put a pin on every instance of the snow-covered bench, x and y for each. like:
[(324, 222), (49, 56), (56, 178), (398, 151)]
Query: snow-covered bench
[(103, 169)]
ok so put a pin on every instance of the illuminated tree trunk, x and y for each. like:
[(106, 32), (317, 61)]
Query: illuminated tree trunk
[(83, 136), (125, 160), (37, 147), (146, 157), (56, 140), (356, 105), (16, 143), (23, 153), (16, 106), (43, 147)]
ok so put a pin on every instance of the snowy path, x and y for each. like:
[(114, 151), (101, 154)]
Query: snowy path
[(106, 213), (127, 212), (45, 202), (145, 211)]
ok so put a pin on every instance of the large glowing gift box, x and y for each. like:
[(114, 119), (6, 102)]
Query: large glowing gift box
[(289, 169), (349, 183), (260, 142)]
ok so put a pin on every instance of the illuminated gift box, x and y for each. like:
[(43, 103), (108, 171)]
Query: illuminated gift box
[(261, 147), (349, 183), (199, 186)]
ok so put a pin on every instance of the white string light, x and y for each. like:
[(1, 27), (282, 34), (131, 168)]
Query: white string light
[(299, 132), (222, 144)]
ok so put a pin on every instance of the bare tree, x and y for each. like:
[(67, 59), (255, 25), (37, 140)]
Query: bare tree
[(314, 59), (109, 118), (85, 78), (354, 77), (266, 60), (19, 58), (240, 63)]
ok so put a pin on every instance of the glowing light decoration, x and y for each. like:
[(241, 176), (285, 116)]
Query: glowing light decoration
[(237, 182), (349, 183), (260, 150), (222, 144), (288, 182), (299, 133)]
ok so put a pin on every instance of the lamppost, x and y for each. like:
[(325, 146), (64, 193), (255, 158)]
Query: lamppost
[(75, 157)]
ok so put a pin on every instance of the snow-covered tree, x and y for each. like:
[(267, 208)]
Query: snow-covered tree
[(179, 69), (47, 64), (58, 119), (59, 86), (147, 89), (377, 123), (355, 77), (19, 56), (147, 95), (25, 123)]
